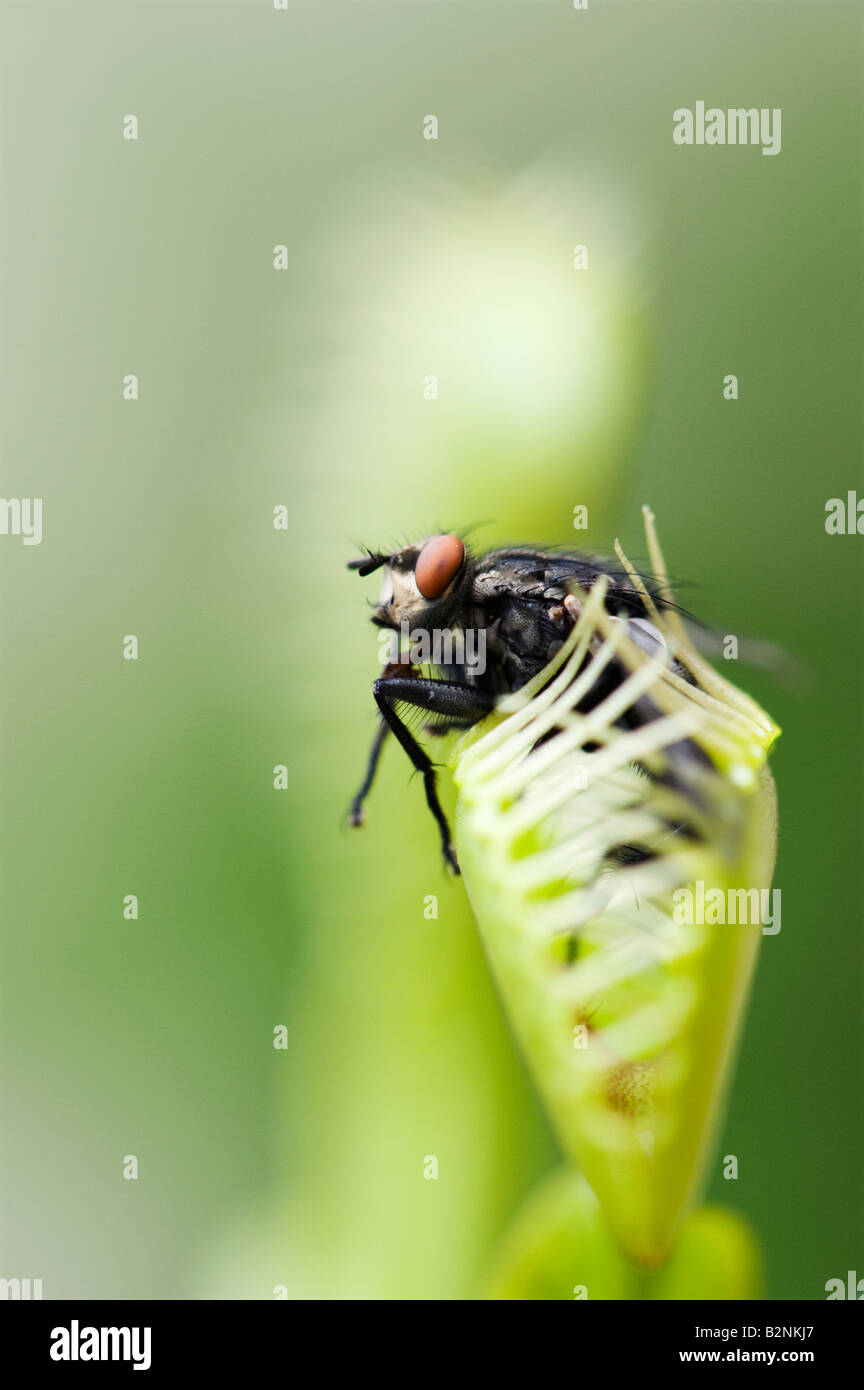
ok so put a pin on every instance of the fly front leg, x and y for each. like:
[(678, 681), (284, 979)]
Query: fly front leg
[(455, 704), (356, 814)]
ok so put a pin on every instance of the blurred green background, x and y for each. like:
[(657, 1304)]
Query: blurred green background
[(303, 1167)]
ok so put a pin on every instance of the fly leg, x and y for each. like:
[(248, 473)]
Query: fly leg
[(356, 814), (454, 703)]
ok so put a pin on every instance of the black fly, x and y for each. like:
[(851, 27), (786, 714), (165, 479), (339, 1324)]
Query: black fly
[(518, 605)]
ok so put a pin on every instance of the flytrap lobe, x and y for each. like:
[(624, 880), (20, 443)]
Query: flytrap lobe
[(575, 834)]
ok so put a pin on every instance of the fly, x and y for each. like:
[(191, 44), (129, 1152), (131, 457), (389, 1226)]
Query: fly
[(520, 601)]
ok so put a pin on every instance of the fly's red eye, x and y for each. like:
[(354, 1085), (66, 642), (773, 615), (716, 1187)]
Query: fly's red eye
[(438, 564)]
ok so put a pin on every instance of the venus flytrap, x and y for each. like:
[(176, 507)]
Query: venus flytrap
[(627, 1016), (558, 1247)]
